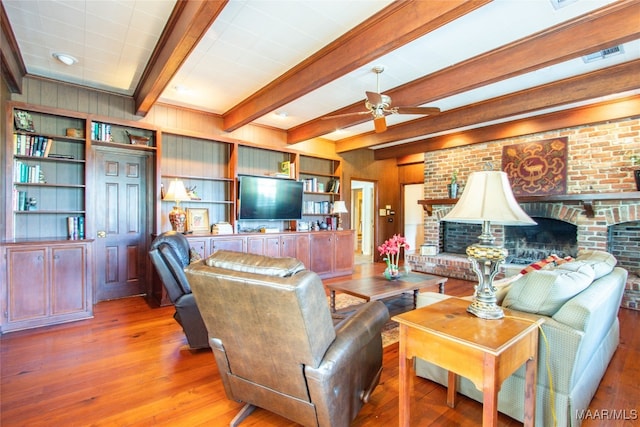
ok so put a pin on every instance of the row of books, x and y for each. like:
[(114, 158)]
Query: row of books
[(313, 186), (21, 201), (312, 207), (75, 227), (23, 172), (101, 132), (31, 145)]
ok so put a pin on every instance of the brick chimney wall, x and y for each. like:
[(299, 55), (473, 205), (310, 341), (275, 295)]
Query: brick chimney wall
[(596, 157)]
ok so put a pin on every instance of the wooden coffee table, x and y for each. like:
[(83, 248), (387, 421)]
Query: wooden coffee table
[(377, 288)]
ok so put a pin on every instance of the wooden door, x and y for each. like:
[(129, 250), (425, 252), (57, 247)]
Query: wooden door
[(228, 243), (122, 222)]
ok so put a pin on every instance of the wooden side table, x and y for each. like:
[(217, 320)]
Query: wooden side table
[(485, 351)]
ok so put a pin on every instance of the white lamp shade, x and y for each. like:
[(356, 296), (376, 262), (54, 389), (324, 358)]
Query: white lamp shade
[(177, 192), (488, 197), (339, 207)]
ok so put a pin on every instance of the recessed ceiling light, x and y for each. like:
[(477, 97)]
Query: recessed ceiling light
[(65, 59), (282, 114)]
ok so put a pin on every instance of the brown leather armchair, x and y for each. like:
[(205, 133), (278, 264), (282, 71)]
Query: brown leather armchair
[(274, 340), (170, 255)]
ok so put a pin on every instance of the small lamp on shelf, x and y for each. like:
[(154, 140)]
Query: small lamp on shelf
[(339, 208), (177, 217), (487, 199)]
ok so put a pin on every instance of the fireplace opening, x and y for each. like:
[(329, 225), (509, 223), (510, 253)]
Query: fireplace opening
[(526, 244), (532, 243)]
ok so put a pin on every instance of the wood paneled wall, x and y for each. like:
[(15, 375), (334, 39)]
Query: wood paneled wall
[(358, 164)]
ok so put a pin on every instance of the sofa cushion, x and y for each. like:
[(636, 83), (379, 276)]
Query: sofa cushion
[(601, 262), (257, 264), (545, 291)]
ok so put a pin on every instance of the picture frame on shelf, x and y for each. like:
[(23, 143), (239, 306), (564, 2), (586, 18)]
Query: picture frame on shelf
[(23, 121), (198, 220)]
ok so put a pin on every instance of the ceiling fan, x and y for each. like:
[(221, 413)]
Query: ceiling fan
[(379, 106)]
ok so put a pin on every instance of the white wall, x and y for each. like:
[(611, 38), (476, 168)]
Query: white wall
[(413, 216)]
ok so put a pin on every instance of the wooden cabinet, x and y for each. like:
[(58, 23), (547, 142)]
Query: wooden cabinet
[(46, 284), (228, 243), (344, 253), (331, 253)]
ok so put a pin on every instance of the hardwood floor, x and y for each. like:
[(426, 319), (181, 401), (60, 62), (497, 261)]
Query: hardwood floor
[(130, 366)]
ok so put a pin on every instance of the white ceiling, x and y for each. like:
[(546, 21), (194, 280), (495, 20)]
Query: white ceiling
[(253, 42)]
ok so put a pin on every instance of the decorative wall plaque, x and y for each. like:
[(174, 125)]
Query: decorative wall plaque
[(537, 168)]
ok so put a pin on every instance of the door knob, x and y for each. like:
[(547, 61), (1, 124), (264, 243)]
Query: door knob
[(102, 234)]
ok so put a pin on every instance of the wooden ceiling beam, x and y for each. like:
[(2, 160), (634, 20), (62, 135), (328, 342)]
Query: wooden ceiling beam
[(590, 114), (394, 26), (12, 67), (616, 79), (187, 24), (603, 28)]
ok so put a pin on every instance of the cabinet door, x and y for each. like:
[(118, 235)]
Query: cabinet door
[(288, 246), (302, 248), (28, 284), (321, 253), (200, 246), (255, 245), (227, 243), (344, 253), (68, 286)]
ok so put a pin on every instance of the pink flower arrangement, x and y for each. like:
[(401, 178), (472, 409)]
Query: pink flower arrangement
[(390, 249)]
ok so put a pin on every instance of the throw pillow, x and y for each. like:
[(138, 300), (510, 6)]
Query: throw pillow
[(544, 292), (601, 262), (194, 256)]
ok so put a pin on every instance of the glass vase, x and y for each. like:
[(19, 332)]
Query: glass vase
[(392, 273)]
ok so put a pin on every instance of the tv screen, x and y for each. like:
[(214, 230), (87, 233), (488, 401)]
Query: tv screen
[(264, 198)]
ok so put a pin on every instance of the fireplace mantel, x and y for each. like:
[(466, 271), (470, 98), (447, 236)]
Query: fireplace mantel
[(586, 199)]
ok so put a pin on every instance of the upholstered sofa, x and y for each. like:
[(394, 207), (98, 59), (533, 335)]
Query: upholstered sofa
[(275, 343), (579, 301)]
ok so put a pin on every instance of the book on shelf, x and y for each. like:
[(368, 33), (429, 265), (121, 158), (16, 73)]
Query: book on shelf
[(333, 186), (101, 132), (75, 227)]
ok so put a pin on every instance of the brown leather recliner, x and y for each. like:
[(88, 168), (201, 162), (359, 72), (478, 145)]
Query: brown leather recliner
[(170, 255), (273, 337)]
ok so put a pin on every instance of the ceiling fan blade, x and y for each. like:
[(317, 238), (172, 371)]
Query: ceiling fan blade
[(380, 124), (417, 110), (374, 98), (344, 115)]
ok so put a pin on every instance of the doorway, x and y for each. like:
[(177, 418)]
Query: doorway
[(413, 216), (362, 219)]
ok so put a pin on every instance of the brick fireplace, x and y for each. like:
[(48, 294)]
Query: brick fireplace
[(606, 224)]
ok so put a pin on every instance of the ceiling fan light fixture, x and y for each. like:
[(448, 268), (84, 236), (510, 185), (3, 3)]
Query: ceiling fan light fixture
[(65, 58)]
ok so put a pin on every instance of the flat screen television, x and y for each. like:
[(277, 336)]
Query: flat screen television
[(265, 198)]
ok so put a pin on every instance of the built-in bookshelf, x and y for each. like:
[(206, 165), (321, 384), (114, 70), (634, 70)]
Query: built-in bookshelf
[(322, 185), (48, 175), (108, 133), (204, 167)]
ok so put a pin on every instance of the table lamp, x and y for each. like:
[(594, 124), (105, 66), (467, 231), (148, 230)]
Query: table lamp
[(339, 208), (487, 199), (177, 217)]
